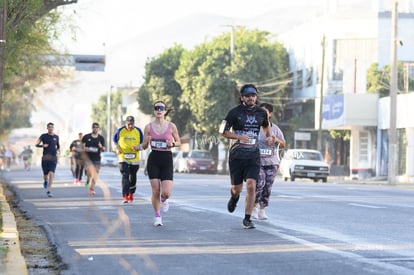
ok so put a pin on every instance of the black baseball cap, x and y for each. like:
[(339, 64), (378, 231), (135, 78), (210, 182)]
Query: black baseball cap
[(130, 119), (248, 90)]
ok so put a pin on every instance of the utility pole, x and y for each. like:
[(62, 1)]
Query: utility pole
[(3, 22), (392, 138), (232, 44), (108, 119), (232, 39), (321, 96)]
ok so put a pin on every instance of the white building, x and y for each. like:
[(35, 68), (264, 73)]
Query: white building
[(331, 55)]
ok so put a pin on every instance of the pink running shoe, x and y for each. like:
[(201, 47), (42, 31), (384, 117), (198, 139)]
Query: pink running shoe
[(91, 192)]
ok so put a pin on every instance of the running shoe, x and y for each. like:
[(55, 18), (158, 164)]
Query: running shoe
[(247, 224), (262, 215), (165, 206), (255, 213), (158, 221), (231, 205), (130, 197), (49, 194), (91, 192), (125, 199), (45, 185)]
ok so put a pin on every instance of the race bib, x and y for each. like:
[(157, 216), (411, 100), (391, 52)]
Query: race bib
[(130, 156), (251, 141), (160, 144), (266, 152), (93, 149)]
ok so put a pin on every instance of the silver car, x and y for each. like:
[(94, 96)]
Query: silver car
[(304, 163), (109, 159)]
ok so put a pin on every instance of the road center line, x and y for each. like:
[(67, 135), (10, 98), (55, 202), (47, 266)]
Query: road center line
[(366, 206)]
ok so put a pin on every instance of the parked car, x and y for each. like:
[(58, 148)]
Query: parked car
[(304, 163), (109, 159), (201, 161), (179, 162)]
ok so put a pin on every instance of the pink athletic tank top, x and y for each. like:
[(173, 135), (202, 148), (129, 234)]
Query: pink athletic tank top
[(159, 141)]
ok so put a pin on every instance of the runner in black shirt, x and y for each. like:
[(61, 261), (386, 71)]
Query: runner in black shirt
[(94, 144), (242, 124), (50, 144)]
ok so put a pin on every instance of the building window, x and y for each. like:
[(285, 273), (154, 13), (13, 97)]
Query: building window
[(299, 79), (309, 77), (402, 151), (352, 53), (363, 146)]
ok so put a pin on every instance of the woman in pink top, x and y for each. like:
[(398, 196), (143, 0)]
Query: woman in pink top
[(161, 135)]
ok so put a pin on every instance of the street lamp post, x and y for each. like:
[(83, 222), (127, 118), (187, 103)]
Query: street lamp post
[(108, 119), (319, 143), (3, 23), (392, 151)]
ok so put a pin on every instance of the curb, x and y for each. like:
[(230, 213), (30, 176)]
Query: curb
[(14, 261)]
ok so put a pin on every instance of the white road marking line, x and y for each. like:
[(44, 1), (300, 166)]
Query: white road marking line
[(367, 206)]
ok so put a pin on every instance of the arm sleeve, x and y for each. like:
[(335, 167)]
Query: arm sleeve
[(58, 144), (141, 136), (115, 138)]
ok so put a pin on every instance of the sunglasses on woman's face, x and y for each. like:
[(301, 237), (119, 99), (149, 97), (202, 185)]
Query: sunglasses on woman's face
[(159, 108)]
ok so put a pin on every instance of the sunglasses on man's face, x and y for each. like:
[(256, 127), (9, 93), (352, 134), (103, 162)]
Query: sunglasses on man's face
[(159, 108)]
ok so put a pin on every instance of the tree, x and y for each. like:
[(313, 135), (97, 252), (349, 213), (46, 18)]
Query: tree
[(210, 80), (26, 27), (100, 108), (202, 84), (378, 80), (160, 84)]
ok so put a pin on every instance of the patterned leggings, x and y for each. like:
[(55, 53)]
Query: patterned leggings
[(264, 185)]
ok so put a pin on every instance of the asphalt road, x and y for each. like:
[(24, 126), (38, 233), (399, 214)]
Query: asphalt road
[(313, 228)]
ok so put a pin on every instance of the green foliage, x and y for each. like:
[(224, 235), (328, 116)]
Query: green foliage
[(100, 111), (340, 134), (202, 84), (29, 30), (210, 79), (17, 107), (160, 84), (207, 86), (28, 38), (378, 80)]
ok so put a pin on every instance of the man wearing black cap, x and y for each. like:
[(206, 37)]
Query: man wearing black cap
[(128, 140), (76, 149), (94, 144), (242, 125)]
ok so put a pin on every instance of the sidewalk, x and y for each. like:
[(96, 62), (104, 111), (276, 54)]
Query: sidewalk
[(12, 261)]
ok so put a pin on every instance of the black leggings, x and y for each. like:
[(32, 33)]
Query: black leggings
[(129, 177)]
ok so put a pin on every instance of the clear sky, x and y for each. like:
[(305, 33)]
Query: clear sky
[(114, 28), (110, 21)]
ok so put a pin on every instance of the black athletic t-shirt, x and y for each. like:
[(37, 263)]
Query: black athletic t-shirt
[(50, 152), (92, 143), (243, 120)]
